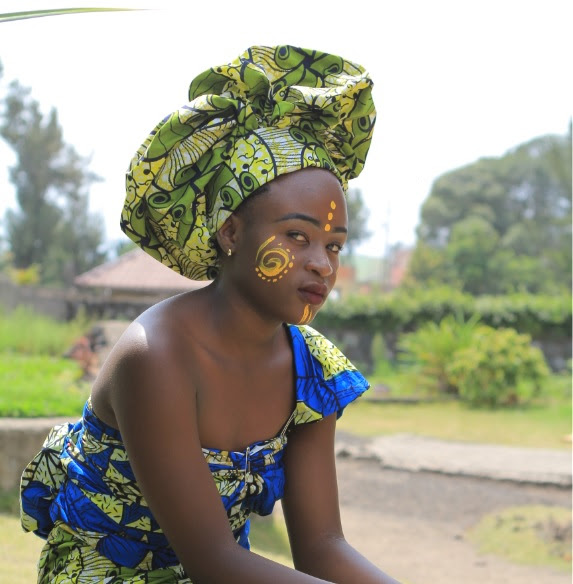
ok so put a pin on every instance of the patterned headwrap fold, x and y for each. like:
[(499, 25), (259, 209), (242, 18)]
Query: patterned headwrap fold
[(271, 111)]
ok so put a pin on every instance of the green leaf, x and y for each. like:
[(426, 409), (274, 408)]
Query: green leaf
[(10, 16)]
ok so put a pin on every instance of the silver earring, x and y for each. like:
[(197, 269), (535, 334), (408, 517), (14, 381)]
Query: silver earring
[(230, 252)]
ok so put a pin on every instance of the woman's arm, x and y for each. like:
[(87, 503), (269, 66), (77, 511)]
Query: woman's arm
[(312, 511), (155, 410)]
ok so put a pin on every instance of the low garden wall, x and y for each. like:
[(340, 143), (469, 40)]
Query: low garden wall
[(20, 441)]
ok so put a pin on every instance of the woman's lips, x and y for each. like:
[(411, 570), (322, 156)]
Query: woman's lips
[(313, 293)]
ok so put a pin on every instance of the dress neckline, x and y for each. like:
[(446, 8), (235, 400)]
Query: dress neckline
[(250, 448), (257, 444)]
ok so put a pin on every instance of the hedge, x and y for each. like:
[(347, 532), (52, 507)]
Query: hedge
[(406, 310)]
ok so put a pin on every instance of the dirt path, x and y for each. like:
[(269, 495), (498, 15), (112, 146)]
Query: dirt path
[(412, 524)]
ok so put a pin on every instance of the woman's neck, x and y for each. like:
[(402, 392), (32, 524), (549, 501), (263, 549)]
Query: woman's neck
[(238, 324)]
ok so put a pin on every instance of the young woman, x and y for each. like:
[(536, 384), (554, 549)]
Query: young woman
[(210, 406)]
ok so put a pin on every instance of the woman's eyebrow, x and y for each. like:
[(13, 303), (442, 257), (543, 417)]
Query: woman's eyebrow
[(310, 219), (300, 216)]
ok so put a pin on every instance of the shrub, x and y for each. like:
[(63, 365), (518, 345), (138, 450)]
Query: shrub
[(480, 364), (499, 367), (432, 348), (29, 276)]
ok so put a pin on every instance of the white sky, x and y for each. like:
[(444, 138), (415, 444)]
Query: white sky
[(454, 81)]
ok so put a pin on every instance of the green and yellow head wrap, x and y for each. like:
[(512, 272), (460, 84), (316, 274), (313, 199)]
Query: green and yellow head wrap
[(271, 111)]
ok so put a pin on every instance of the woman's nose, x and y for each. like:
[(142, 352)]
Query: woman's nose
[(320, 263)]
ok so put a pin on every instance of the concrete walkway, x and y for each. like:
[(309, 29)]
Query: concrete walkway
[(506, 463)]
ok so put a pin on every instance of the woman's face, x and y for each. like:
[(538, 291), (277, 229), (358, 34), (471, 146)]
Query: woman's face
[(287, 253)]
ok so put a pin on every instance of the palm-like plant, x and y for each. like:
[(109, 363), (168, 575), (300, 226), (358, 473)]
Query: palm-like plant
[(9, 16)]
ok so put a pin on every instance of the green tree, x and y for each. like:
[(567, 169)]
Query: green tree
[(51, 227), (501, 224), (357, 220)]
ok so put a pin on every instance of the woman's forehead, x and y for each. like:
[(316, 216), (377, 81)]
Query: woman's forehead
[(310, 186), (313, 193)]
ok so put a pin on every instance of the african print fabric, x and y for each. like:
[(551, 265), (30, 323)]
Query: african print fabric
[(272, 111), (80, 493), (66, 559)]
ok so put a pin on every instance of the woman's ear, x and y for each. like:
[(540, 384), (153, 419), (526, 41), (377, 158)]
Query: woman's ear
[(228, 234)]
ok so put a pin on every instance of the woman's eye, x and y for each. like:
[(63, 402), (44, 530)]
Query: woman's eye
[(335, 247), (297, 236)]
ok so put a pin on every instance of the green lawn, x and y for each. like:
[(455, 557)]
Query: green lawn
[(35, 386), (537, 535), (19, 552), (539, 426), (544, 423), (27, 332)]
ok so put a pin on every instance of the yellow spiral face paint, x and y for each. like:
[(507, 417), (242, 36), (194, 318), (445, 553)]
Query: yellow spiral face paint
[(328, 227), (273, 262)]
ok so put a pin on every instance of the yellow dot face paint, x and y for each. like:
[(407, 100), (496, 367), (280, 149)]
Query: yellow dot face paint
[(328, 227), (273, 262), (306, 315)]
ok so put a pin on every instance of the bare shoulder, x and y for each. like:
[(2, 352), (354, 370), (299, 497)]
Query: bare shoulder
[(152, 399), (149, 360)]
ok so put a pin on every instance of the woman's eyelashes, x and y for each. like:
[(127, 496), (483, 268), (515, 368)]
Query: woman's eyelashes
[(300, 237)]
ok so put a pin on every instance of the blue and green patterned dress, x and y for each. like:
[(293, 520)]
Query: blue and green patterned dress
[(80, 493)]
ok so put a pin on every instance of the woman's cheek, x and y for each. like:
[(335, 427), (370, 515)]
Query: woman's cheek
[(273, 262)]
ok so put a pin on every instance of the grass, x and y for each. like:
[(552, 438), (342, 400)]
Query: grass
[(534, 426), (269, 538), (534, 535), (544, 423), (35, 379), (25, 331), (35, 386), (19, 552)]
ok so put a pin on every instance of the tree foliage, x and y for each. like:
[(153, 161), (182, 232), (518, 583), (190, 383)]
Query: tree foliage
[(357, 220), (500, 225), (52, 227)]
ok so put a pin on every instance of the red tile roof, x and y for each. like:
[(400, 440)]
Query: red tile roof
[(136, 270)]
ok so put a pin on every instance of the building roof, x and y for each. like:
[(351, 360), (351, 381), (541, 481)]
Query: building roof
[(137, 271)]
